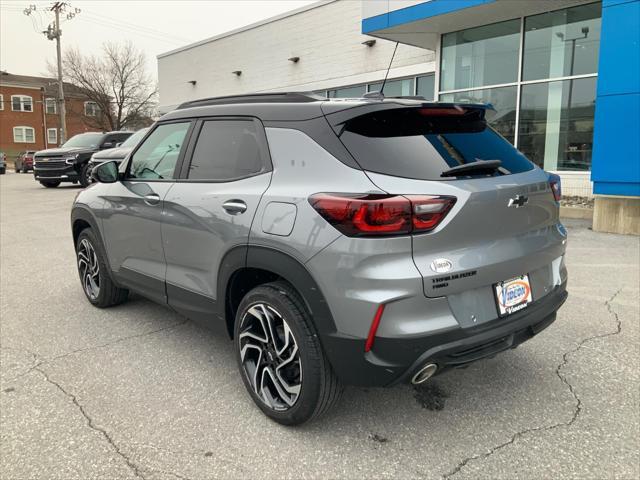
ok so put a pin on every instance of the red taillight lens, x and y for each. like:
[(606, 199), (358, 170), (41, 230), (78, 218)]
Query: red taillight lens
[(376, 215), (556, 186)]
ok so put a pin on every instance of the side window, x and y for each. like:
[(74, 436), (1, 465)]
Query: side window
[(226, 150), (157, 156)]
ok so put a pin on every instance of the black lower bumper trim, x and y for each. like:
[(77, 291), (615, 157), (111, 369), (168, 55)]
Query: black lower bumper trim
[(395, 360)]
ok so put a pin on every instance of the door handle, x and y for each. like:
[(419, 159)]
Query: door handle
[(152, 199), (234, 207)]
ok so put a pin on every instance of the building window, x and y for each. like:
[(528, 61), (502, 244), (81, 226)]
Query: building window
[(504, 103), (21, 103), (50, 105), (556, 123), (91, 109), (1, 102), (562, 43), (426, 86), (347, 92), (480, 56), (558, 53), (52, 136), (394, 88), (24, 135)]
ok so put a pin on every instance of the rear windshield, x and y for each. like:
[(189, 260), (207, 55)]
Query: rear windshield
[(423, 143)]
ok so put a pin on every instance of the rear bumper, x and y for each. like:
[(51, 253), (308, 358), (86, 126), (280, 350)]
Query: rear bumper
[(396, 360)]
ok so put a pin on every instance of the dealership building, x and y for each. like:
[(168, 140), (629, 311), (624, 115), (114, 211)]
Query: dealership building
[(562, 76)]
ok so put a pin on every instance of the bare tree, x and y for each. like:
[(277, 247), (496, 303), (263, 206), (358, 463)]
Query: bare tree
[(116, 81)]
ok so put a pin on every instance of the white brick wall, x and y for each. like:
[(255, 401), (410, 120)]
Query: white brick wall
[(326, 37)]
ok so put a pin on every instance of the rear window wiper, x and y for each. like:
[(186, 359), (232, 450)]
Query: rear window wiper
[(480, 166)]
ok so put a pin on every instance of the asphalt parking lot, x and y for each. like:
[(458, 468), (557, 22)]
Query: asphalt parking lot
[(138, 391)]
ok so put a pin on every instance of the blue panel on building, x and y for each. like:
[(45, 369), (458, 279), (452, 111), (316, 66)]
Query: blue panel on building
[(417, 12), (619, 70), (616, 149)]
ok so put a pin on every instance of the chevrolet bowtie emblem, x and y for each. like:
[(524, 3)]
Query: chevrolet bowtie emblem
[(518, 201)]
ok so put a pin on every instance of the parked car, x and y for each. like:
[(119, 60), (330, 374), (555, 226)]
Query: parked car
[(3, 163), (119, 153), (69, 163), (365, 242), (24, 161)]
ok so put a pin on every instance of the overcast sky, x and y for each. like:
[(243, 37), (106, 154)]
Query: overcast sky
[(154, 26)]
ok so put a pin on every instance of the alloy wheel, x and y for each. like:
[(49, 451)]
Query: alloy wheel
[(270, 357), (89, 269)]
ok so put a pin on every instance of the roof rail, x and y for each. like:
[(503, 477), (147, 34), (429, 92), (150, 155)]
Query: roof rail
[(283, 97)]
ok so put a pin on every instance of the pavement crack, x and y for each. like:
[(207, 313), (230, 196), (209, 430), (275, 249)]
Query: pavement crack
[(135, 468), (119, 340), (558, 371), (43, 361)]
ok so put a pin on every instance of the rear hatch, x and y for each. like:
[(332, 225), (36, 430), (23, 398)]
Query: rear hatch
[(504, 223)]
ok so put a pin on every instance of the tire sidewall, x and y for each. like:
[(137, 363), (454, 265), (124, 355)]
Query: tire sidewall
[(307, 401), (84, 180)]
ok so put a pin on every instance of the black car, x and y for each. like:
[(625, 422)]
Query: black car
[(119, 153), (70, 162)]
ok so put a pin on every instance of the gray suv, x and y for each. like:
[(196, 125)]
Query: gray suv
[(364, 242)]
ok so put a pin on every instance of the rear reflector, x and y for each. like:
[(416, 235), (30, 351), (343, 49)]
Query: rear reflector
[(374, 328), (358, 215)]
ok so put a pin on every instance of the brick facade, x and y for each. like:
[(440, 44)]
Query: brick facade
[(39, 89)]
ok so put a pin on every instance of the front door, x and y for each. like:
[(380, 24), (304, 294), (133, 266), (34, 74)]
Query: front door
[(210, 210), (132, 215)]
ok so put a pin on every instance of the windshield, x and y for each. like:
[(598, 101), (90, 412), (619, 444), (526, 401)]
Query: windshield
[(423, 143), (133, 140), (87, 140)]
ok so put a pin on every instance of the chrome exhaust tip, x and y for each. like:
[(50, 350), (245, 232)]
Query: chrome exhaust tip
[(424, 374)]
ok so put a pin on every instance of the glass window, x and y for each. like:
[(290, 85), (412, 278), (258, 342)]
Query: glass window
[(426, 86), (503, 100), (91, 109), (394, 88), (226, 150), (157, 156), (486, 55), (52, 135), (423, 143), (85, 140), (21, 103), (562, 43), (24, 135), (50, 105), (347, 92), (556, 123)]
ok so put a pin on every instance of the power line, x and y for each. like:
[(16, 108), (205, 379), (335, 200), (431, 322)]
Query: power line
[(131, 30)]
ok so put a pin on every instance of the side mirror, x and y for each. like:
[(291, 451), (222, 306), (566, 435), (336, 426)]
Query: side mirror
[(119, 144), (106, 145), (106, 172)]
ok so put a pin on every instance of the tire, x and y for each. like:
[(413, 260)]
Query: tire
[(3, 171), (93, 272), (50, 183), (25, 170), (307, 371), (85, 175)]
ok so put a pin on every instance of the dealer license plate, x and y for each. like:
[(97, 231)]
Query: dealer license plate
[(513, 295)]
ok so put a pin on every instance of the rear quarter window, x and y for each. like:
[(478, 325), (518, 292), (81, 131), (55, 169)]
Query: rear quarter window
[(422, 143)]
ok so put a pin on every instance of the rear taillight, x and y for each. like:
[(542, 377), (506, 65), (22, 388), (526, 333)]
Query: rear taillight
[(359, 215), (556, 186)]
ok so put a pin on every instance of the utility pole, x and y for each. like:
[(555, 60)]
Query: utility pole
[(53, 32)]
